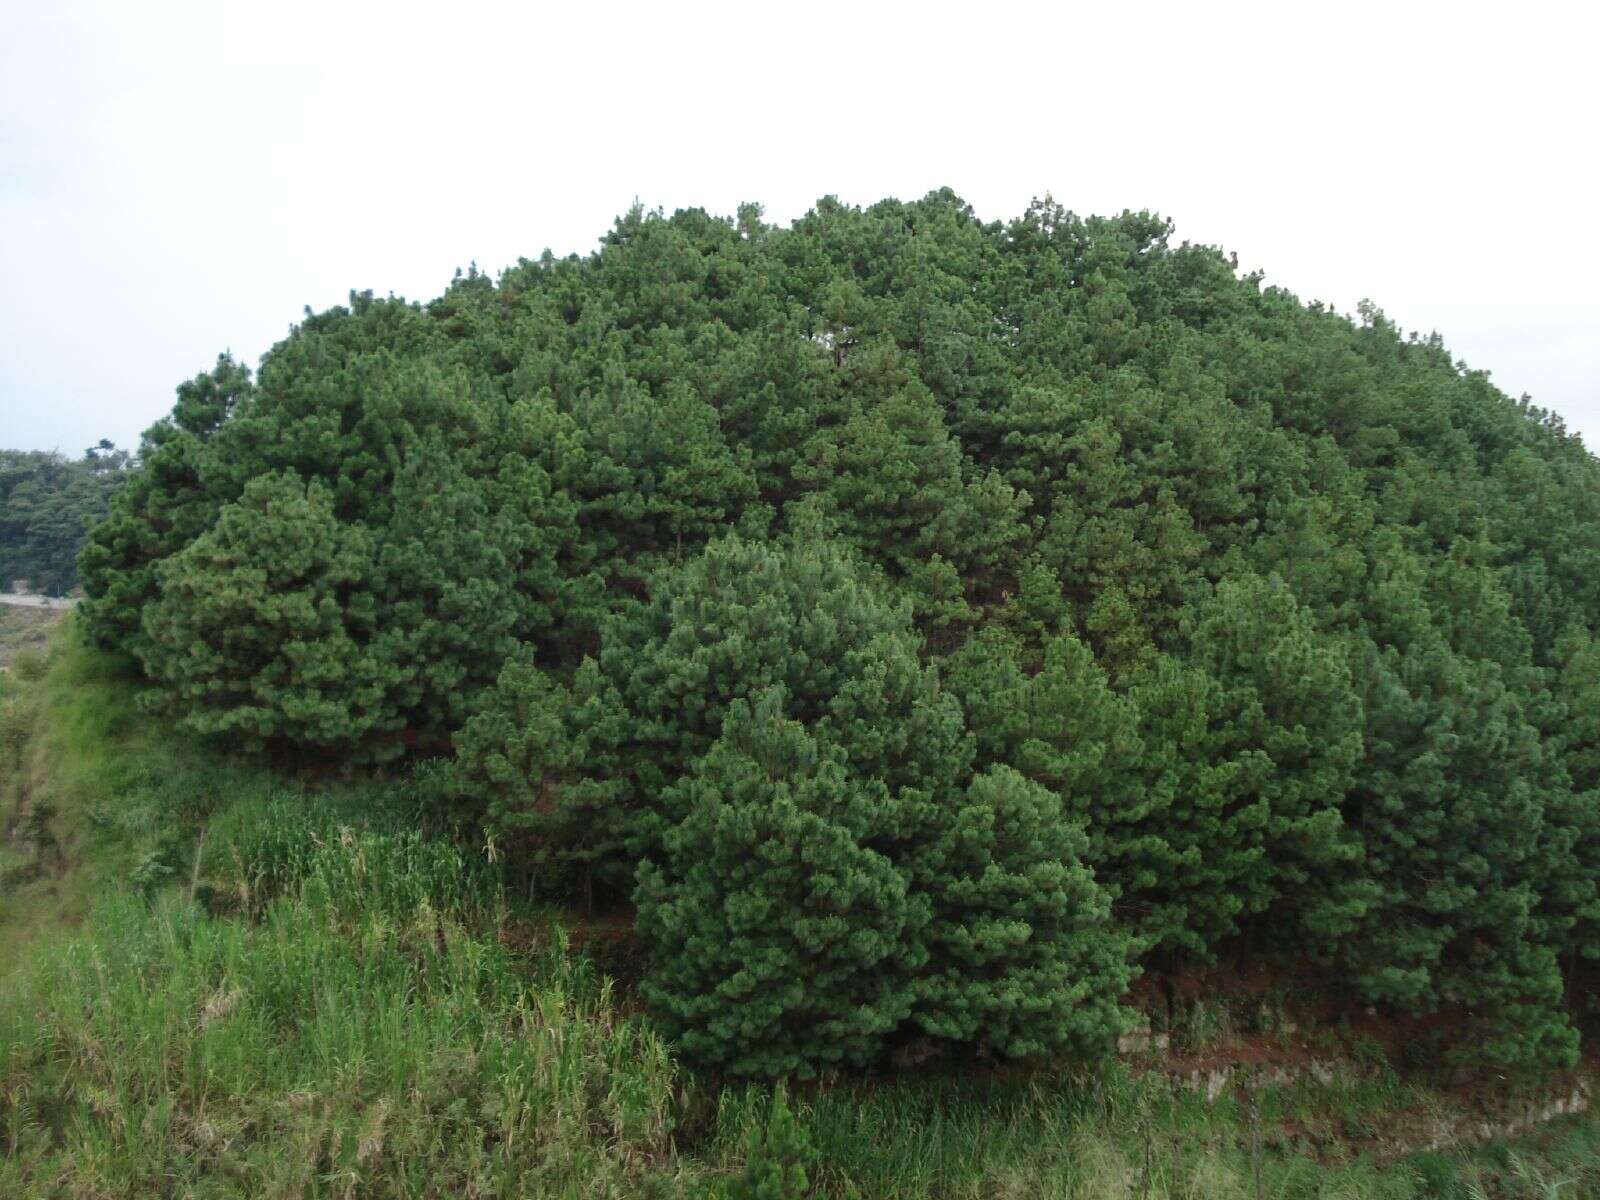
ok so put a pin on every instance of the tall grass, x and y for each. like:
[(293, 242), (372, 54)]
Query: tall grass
[(286, 844), (119, 798), (328, 1048)]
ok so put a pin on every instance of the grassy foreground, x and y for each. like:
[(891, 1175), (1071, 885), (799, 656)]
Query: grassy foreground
[(217, 981)]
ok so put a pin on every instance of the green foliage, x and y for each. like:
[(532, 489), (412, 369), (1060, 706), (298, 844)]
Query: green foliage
[(898, 487), (734, 622), (777, 1158), (662, 472), (1451, 805), (1063, 726), (517, 772), (47, 505), (804, 916), (1024, 960), (169, 501), (259, 631), (1284, 713), (444, 579), (1279, 622), (29, 666), (783, 941)]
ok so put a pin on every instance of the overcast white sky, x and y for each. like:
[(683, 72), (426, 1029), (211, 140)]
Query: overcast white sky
[(180, 178)]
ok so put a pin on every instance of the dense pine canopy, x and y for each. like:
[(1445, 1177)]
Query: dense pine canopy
[(925, 622)]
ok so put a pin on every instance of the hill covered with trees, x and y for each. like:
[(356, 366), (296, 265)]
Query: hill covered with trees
[(47, 504), (926, 623)]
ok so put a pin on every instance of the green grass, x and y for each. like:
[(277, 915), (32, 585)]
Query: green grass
[(224, 982), (319, 1051), (104, 793), (25, 632), (93, 791)]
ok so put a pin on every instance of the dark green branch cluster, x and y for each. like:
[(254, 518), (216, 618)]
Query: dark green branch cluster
[(922, 621)]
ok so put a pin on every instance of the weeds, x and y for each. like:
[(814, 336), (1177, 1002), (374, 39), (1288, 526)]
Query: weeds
[(321, 1051)]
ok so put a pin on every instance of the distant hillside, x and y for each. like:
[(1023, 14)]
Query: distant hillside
[(924, 624), (47, 503)]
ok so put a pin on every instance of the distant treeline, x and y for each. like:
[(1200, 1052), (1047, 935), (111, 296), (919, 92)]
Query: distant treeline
[(47, 504), (926, 623)]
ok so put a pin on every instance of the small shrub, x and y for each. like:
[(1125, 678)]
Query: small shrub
[(776, 1161), (29, 666), (153, 868)]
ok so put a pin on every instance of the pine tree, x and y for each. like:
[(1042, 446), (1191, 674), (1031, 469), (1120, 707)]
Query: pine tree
[(171, 499), (776, 1157), (738, 619), (662, 478), (444, 580), (1062, 727), (1286, 710), (896, 483), (518, 772), (261, 627), (1024, 960), (1450, 803), (780, 944)]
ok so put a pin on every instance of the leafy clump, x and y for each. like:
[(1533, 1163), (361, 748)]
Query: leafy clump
[(919, 618)]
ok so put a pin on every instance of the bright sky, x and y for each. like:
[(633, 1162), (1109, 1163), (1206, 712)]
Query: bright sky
[(179, 178)]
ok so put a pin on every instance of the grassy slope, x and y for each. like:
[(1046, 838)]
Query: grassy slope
[(332, 1004), (25, 630)]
